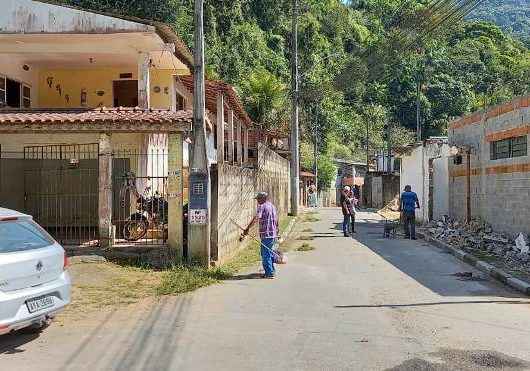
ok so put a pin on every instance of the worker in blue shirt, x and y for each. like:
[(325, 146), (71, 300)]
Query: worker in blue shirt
[(409, 203)]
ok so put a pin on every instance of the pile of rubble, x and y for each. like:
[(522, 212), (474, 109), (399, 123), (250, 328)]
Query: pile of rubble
[(478, 236)]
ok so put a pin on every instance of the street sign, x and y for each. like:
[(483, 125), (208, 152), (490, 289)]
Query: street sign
[(198, 216)]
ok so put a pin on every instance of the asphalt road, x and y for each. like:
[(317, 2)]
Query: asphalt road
[(363, 304)]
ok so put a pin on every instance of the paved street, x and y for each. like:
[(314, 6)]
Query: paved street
[(365, 304)]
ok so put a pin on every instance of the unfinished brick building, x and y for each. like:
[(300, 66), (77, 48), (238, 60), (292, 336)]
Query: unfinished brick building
[(490, 174)]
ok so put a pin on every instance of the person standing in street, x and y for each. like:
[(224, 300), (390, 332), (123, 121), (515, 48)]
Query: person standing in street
[(352, 210), (267, 217), (345, 203), (409, 203)]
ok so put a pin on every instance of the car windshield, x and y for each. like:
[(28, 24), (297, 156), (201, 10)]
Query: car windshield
[(22, 235)]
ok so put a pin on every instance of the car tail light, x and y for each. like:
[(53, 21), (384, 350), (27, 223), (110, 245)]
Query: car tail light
[(65, 261), (4, 329), (9, 218)]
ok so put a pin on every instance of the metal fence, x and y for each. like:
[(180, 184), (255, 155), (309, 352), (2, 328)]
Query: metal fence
[(140, 207), (58, 186)]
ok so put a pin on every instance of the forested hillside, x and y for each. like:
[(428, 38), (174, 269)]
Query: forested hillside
[(357, 68), (512, 16)]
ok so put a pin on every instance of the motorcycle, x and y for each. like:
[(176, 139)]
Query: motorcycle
[(152, 211)]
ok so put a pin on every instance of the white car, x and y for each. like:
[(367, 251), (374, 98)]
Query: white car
[(34, 282)]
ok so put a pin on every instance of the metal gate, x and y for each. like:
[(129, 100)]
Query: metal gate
[(140, 208), (61, 191)]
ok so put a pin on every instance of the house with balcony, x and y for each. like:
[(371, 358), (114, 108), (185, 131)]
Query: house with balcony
[(94, 116)]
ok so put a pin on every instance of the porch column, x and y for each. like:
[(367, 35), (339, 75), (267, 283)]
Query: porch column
[(175, 202), (105, 191), (220, 129), (144, 62), (231, 136), (239, 144), (245, 146)]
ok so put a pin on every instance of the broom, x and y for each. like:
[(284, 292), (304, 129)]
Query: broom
[(278, 256)]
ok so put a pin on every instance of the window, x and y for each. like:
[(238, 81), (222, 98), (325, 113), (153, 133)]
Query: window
[(180, 103), (22, 235), (26, 96), (508, 148), (14, 94), (2, 91)]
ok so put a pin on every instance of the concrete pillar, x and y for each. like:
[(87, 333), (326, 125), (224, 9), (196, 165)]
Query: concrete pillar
[(239, 143), (144, 63), (220, 129), (231, 136), (105, 191), (245, 146), (175, 197)]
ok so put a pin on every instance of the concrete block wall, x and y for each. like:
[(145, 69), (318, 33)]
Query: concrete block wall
[(500, 189), (237, 187)]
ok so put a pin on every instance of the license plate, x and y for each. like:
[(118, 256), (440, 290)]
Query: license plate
[(42, 302)]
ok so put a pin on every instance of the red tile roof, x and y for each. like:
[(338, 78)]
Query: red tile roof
[(213, 88), (93, 116)]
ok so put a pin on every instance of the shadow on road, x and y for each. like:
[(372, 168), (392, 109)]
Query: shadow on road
[(435, 304), (10, 343)]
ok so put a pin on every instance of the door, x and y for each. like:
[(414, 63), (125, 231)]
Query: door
[(125, 93)]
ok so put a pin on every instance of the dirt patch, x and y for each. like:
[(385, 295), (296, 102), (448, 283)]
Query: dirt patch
[(99, 285)]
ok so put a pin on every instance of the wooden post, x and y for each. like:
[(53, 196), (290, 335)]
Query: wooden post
[(220, 129), (175, 199), (239, 143), (231, 136), (105, 191), (144, 62), (245, 146)]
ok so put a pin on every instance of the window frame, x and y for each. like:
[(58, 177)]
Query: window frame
[(22, 97), (3, 90), (511, 148)]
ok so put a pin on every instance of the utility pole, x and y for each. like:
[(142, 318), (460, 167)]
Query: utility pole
[(418, 109), (315, 151), (199, 179), (295, 163), (367, 148), (389, 144)]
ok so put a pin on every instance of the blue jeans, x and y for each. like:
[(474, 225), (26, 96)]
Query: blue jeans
[(267, 257), (346, 224)]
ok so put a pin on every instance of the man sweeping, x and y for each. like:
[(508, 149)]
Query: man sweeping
[(408, 205), (267, 217)]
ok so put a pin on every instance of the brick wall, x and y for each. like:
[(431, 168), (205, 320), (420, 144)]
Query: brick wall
[(500, 189)]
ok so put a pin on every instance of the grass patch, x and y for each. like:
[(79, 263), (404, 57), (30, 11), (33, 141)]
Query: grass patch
[(181, 279), (305, 247)]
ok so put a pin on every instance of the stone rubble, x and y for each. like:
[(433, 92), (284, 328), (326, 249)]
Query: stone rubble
[(479, 237)]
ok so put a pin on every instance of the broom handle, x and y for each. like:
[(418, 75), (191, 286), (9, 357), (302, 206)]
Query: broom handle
[(252, 236)]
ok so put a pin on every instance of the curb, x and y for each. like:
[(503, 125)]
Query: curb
[(288, 230), (490, 270)]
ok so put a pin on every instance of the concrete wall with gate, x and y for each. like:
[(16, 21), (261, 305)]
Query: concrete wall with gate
[(235, 205)]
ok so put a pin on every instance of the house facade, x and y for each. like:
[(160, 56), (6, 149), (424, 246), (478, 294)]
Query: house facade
[(94, 116), (489, 175)]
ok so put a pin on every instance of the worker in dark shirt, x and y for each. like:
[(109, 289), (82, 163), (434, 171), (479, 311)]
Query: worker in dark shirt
[(409, 203), (345, 203)]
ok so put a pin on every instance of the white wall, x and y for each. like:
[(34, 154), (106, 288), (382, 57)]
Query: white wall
[(415, 172), (412, 174), (441, 188)]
